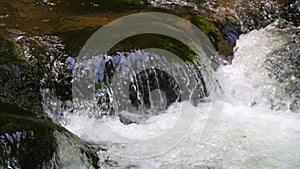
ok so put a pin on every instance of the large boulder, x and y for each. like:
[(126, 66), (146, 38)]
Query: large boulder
[(28, 142)]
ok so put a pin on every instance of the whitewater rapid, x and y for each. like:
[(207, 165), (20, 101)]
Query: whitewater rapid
[(254, 124), (245, 138)]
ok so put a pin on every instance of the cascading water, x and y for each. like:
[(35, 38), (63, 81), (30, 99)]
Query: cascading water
[(266, 60), (151, 110), (258, 128)]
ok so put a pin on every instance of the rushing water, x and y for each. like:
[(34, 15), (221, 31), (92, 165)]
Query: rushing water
[(256, 126), (245, 115)]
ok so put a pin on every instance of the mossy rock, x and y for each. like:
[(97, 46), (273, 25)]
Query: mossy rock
[(222, 34), (19, 81), (27, 143), (206, 27), (149, 40), (11, 51)]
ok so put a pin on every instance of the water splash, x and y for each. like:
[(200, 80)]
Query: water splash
[(266, 62), (264, 74), (250, 135)]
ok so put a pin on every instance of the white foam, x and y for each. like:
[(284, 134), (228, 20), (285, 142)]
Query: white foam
[(186, 136), (245, 138)]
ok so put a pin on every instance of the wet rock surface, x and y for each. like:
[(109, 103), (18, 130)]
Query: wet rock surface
[(19, 80), (62, 18), (28, 142), (227, 19), (52, 32)]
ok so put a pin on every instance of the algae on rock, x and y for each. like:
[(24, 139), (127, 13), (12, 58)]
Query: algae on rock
[(19, 81), (27, 142)]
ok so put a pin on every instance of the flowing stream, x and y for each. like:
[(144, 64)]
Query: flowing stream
[(208, 113), (249, 119)]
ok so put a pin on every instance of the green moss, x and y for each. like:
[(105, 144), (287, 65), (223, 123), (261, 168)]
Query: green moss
[(202, 24), (144, 41), (10, 51), (28, 142), (206, 27), (19, 81)]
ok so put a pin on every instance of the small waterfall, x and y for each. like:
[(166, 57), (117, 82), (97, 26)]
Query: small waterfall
[(191, 79), (255, 109), (246, 128), (153, 109)]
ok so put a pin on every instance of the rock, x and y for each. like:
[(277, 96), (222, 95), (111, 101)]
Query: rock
[(154, 41), (48, 55), (222, 34), (19, 80), (206, 27), (250, 15), (291, 12), (27, 142)]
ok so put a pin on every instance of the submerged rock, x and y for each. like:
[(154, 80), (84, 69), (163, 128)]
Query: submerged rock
[(19, 81), (24, 16), (27, 142)]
